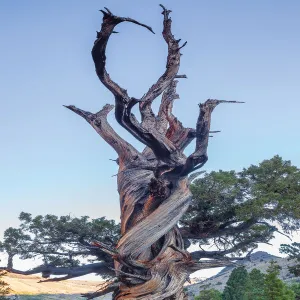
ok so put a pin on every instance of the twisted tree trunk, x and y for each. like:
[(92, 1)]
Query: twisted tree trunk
[(151, 246), (151, 261)]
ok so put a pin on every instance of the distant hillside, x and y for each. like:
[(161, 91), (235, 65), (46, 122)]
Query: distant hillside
[(259, 260), (29, 288)]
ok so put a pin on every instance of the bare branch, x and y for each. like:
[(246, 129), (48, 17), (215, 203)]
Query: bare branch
[(144, 132), (181, 76), (71, 272), (99, 122), (274, 228), (172, 67), (106, 248), (143, 278), (199, 157), (165, 117), (168, 124), (194, 176), (98, 52), (208, 264)]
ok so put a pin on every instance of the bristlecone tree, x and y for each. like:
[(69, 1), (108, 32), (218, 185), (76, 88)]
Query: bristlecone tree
[(232, 211), (150, 259)]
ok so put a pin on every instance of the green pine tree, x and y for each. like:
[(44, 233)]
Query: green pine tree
[(211, 294), (237, 285), (274, 288), (256, 286)]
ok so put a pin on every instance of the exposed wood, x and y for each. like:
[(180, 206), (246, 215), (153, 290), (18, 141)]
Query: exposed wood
[(151, 260)]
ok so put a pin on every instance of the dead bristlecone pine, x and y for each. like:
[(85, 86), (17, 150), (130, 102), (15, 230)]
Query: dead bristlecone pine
[(150, 260)]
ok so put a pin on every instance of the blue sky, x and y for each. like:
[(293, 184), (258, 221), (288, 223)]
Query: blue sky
[(52, 161)]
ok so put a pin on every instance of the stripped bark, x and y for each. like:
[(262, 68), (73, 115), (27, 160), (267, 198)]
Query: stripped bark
[(151, 260)]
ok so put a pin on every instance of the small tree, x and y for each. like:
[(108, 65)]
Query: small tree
[(13, 242), (237, 285), (211, 294), (4, 287), (274, 288), (256, 287)]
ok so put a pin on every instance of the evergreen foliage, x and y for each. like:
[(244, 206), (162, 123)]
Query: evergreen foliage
[(237, 210), (211, 294), (274, 288), (293, 251), (295, 287), (256, 287), (237, 285)]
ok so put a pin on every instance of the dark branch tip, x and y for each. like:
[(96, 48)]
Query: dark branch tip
[(165, 11), (104, 12), (108, 10), (69, 106), (184, 44), (181, 76), (215, 102)]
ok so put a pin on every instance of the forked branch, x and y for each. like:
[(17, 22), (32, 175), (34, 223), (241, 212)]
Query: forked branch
[(144, 132), (197, 159), (172, 67)]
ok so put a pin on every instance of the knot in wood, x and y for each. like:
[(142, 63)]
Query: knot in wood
[(159, 188)]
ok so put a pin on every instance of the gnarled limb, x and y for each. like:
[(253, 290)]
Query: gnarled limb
[(161, 146), (208, 264), (168, 124), (99, 122), (47, 270), (98, 52), (172, 67), (197, 159)]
